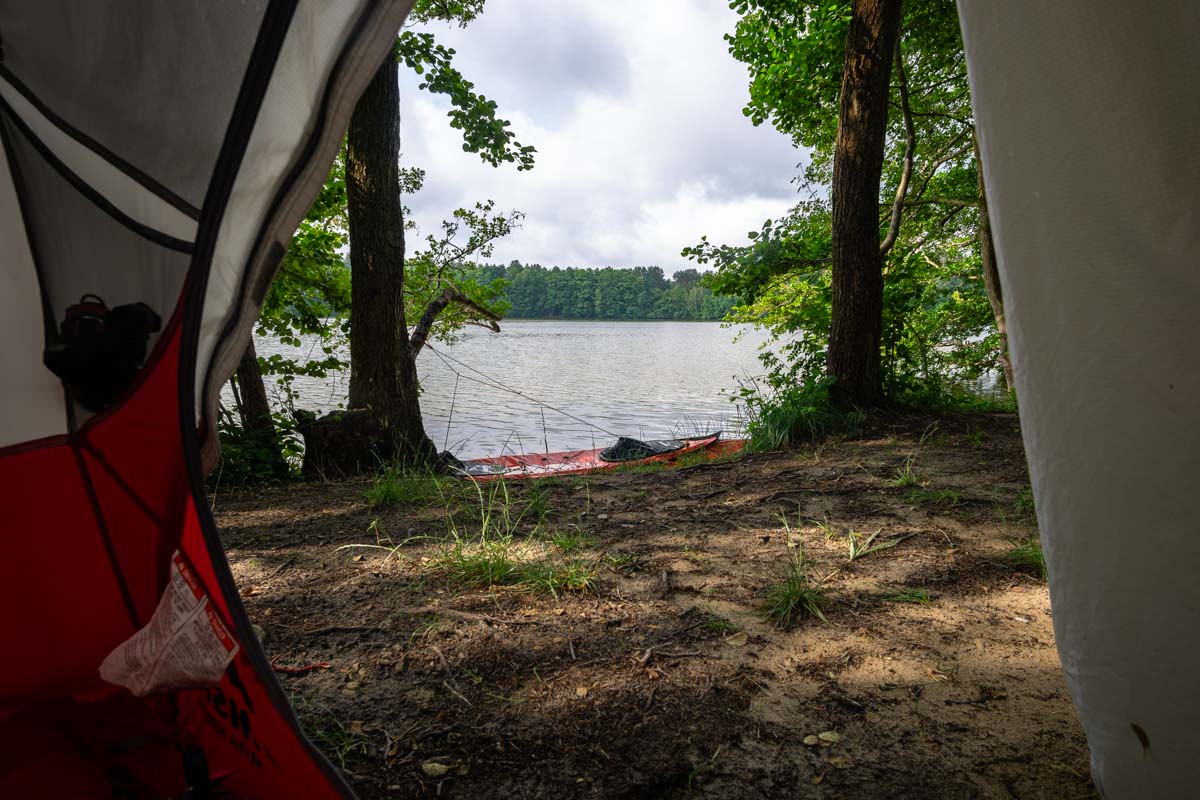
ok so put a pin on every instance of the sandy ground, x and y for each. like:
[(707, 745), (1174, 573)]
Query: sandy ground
[(934, 675)]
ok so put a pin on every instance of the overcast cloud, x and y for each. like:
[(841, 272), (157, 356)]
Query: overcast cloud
[(634, 107)]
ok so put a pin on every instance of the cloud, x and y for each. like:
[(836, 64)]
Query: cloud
[(635, 109)]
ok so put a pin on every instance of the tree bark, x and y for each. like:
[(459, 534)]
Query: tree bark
[(451, 294), (857, 277), (383, 374), (991, 274), (255, 410), (253, 406)]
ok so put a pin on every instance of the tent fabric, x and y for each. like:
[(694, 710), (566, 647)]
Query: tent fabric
[(1087, 112), (162, 154)]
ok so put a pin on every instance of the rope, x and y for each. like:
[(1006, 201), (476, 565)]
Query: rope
[(490, 381)]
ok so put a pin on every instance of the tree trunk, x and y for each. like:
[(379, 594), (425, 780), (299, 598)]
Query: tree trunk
[(255, 412), (991, 274), (383, 374), (252, 395), (857, 311)]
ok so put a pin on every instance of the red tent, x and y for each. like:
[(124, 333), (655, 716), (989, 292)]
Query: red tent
[(157, 158)]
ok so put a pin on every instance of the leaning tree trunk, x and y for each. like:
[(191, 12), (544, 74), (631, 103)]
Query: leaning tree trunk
[(857, 309), (253, 406), (255, 412), (991, 274), (383, 422)]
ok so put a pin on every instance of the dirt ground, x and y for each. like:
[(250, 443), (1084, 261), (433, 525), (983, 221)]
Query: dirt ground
[(934, 675)]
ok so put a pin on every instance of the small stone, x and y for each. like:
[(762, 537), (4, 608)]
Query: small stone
[(433, 769), (581, 691)]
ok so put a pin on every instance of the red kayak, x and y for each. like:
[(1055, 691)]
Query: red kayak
[(625, 452)]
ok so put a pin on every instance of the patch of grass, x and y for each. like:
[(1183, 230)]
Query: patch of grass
[(976, 438), (501, 561), (1023, 504), (921, 497), (826, 528), (335, 738), (538, 505), (1027, 555), (906, 477), (796, 596), (796, 415), (620, 560), (861, 545), (403, 487), (714, 623), (569, 541), (559, 575), (918, 596)]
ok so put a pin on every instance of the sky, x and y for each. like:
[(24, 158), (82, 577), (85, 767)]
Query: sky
[(635, 108)]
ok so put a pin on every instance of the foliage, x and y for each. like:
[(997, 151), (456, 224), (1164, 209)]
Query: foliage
[(473, 114), (938, 331), (1027, 555), (310, 295), (248, 456), (917, 596), (396, 486), (535, 292), (787, 413), (796, 596)]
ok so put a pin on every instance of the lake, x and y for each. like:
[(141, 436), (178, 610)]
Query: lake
[(582, 383)]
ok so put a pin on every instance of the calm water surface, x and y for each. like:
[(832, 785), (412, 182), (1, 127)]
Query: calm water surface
[(643, 379)]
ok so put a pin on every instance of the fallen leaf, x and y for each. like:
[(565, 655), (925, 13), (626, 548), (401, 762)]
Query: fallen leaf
[(841, 762), (829, 737), (738, 639), (356, 726), (811, 740), (816, 780), (433, 769)]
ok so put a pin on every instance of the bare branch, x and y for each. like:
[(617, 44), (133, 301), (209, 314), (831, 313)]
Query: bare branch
[(909, 147), (451, 294), (943, 201), (941, 161)]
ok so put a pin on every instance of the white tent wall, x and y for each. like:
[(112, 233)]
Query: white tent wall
[(36, 407), (1088, 112), (298, 86)]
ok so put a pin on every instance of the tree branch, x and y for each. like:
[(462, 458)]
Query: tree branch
[(909, 147), (451, 294), (940, 162), (942, 201)]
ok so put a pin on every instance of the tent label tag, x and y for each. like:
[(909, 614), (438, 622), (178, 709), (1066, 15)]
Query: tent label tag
[(184, 645)]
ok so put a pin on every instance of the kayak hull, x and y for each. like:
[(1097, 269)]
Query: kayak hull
[(583, 462)]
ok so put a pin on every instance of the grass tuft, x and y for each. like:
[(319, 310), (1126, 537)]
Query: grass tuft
[(861, 545), (405, 487), (906, 477), (796, 596), (1027, 555), (569, 541), (918, 596)]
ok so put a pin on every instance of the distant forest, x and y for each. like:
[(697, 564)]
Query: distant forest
[(536, 292)]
